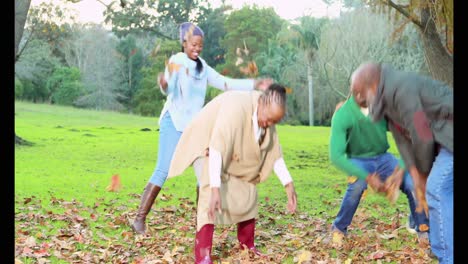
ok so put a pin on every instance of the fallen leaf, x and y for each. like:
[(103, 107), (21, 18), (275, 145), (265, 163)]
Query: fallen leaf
[(304, 256)]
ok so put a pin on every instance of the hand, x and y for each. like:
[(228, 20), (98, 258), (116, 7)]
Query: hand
[(394, 180), (263, 84), (392, 184), (215, 203), (162, 81), (292, 197), (419, 180), (373, 181)]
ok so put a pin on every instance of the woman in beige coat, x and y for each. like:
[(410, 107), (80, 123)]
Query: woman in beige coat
[(233, 145)]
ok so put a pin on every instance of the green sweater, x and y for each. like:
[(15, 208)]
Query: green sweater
[(354, 135)]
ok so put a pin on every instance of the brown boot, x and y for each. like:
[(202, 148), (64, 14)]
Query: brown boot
[(147, 200)]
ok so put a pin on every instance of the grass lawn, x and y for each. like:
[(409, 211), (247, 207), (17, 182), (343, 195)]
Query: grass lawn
[(64, 214)]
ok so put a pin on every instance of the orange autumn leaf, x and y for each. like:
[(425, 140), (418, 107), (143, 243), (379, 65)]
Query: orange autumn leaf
[(253, 67), (250, 70), (423, 228), (421, 202), (115, 184), (172, 67), (393, 184)]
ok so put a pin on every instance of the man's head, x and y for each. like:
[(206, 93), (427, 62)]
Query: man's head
[(364, 82), (271, 105)]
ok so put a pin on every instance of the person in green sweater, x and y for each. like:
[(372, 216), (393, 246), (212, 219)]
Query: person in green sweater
[(359, 147)]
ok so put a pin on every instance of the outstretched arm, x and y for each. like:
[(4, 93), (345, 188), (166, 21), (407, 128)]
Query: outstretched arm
[(225, 83)]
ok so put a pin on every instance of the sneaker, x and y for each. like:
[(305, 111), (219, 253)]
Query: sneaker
[(411, 225)]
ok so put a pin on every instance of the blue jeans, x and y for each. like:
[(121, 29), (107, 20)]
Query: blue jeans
[(384, 165), (168, 139), (439, 195)]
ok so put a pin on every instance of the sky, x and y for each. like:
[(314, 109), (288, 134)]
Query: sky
[(91, 10)]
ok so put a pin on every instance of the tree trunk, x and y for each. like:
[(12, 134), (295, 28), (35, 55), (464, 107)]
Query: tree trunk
[(438, 60), (20, 141), (311, 94), (21, 13)]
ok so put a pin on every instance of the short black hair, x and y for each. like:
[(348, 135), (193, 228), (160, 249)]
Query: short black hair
[(276, 93)]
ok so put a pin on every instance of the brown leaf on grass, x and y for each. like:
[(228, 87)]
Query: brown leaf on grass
[(93, 216), (41, 253), (27, 200), (394, 234), (304, 257), (127, 234), (79, 238), (376, 255), (115, 184), (278, 235), (27, 251), (30, 242), (165, 197)]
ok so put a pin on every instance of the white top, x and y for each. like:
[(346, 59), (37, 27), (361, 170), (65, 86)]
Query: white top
[(365, 111), (186, 89), (215, 161)]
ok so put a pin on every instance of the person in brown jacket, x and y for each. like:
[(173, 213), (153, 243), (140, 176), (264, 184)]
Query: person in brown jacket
[(419, 111), (233, 145)]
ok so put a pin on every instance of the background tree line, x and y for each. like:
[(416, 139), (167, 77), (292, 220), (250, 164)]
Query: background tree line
[(60, 61)]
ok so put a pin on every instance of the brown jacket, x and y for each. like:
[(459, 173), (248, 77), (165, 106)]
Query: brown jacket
[(225, 124)]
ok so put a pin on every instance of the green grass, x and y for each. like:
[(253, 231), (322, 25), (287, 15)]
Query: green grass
[(63, 212)]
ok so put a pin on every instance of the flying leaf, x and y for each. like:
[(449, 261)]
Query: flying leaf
[(173, 67), (115, 184), (239, 61), (154, 52), (246, 50), (250, 70), (238, 52)]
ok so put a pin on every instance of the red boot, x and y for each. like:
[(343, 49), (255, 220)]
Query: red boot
[(203, 244), (246, 234)]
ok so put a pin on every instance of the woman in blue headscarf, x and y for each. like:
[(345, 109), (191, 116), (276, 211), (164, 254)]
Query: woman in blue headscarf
[(184, 81)]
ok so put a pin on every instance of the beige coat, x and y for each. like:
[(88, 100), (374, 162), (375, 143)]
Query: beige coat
[(225, 124)]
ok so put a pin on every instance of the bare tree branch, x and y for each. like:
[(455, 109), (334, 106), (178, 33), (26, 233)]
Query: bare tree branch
[(403, 11)]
